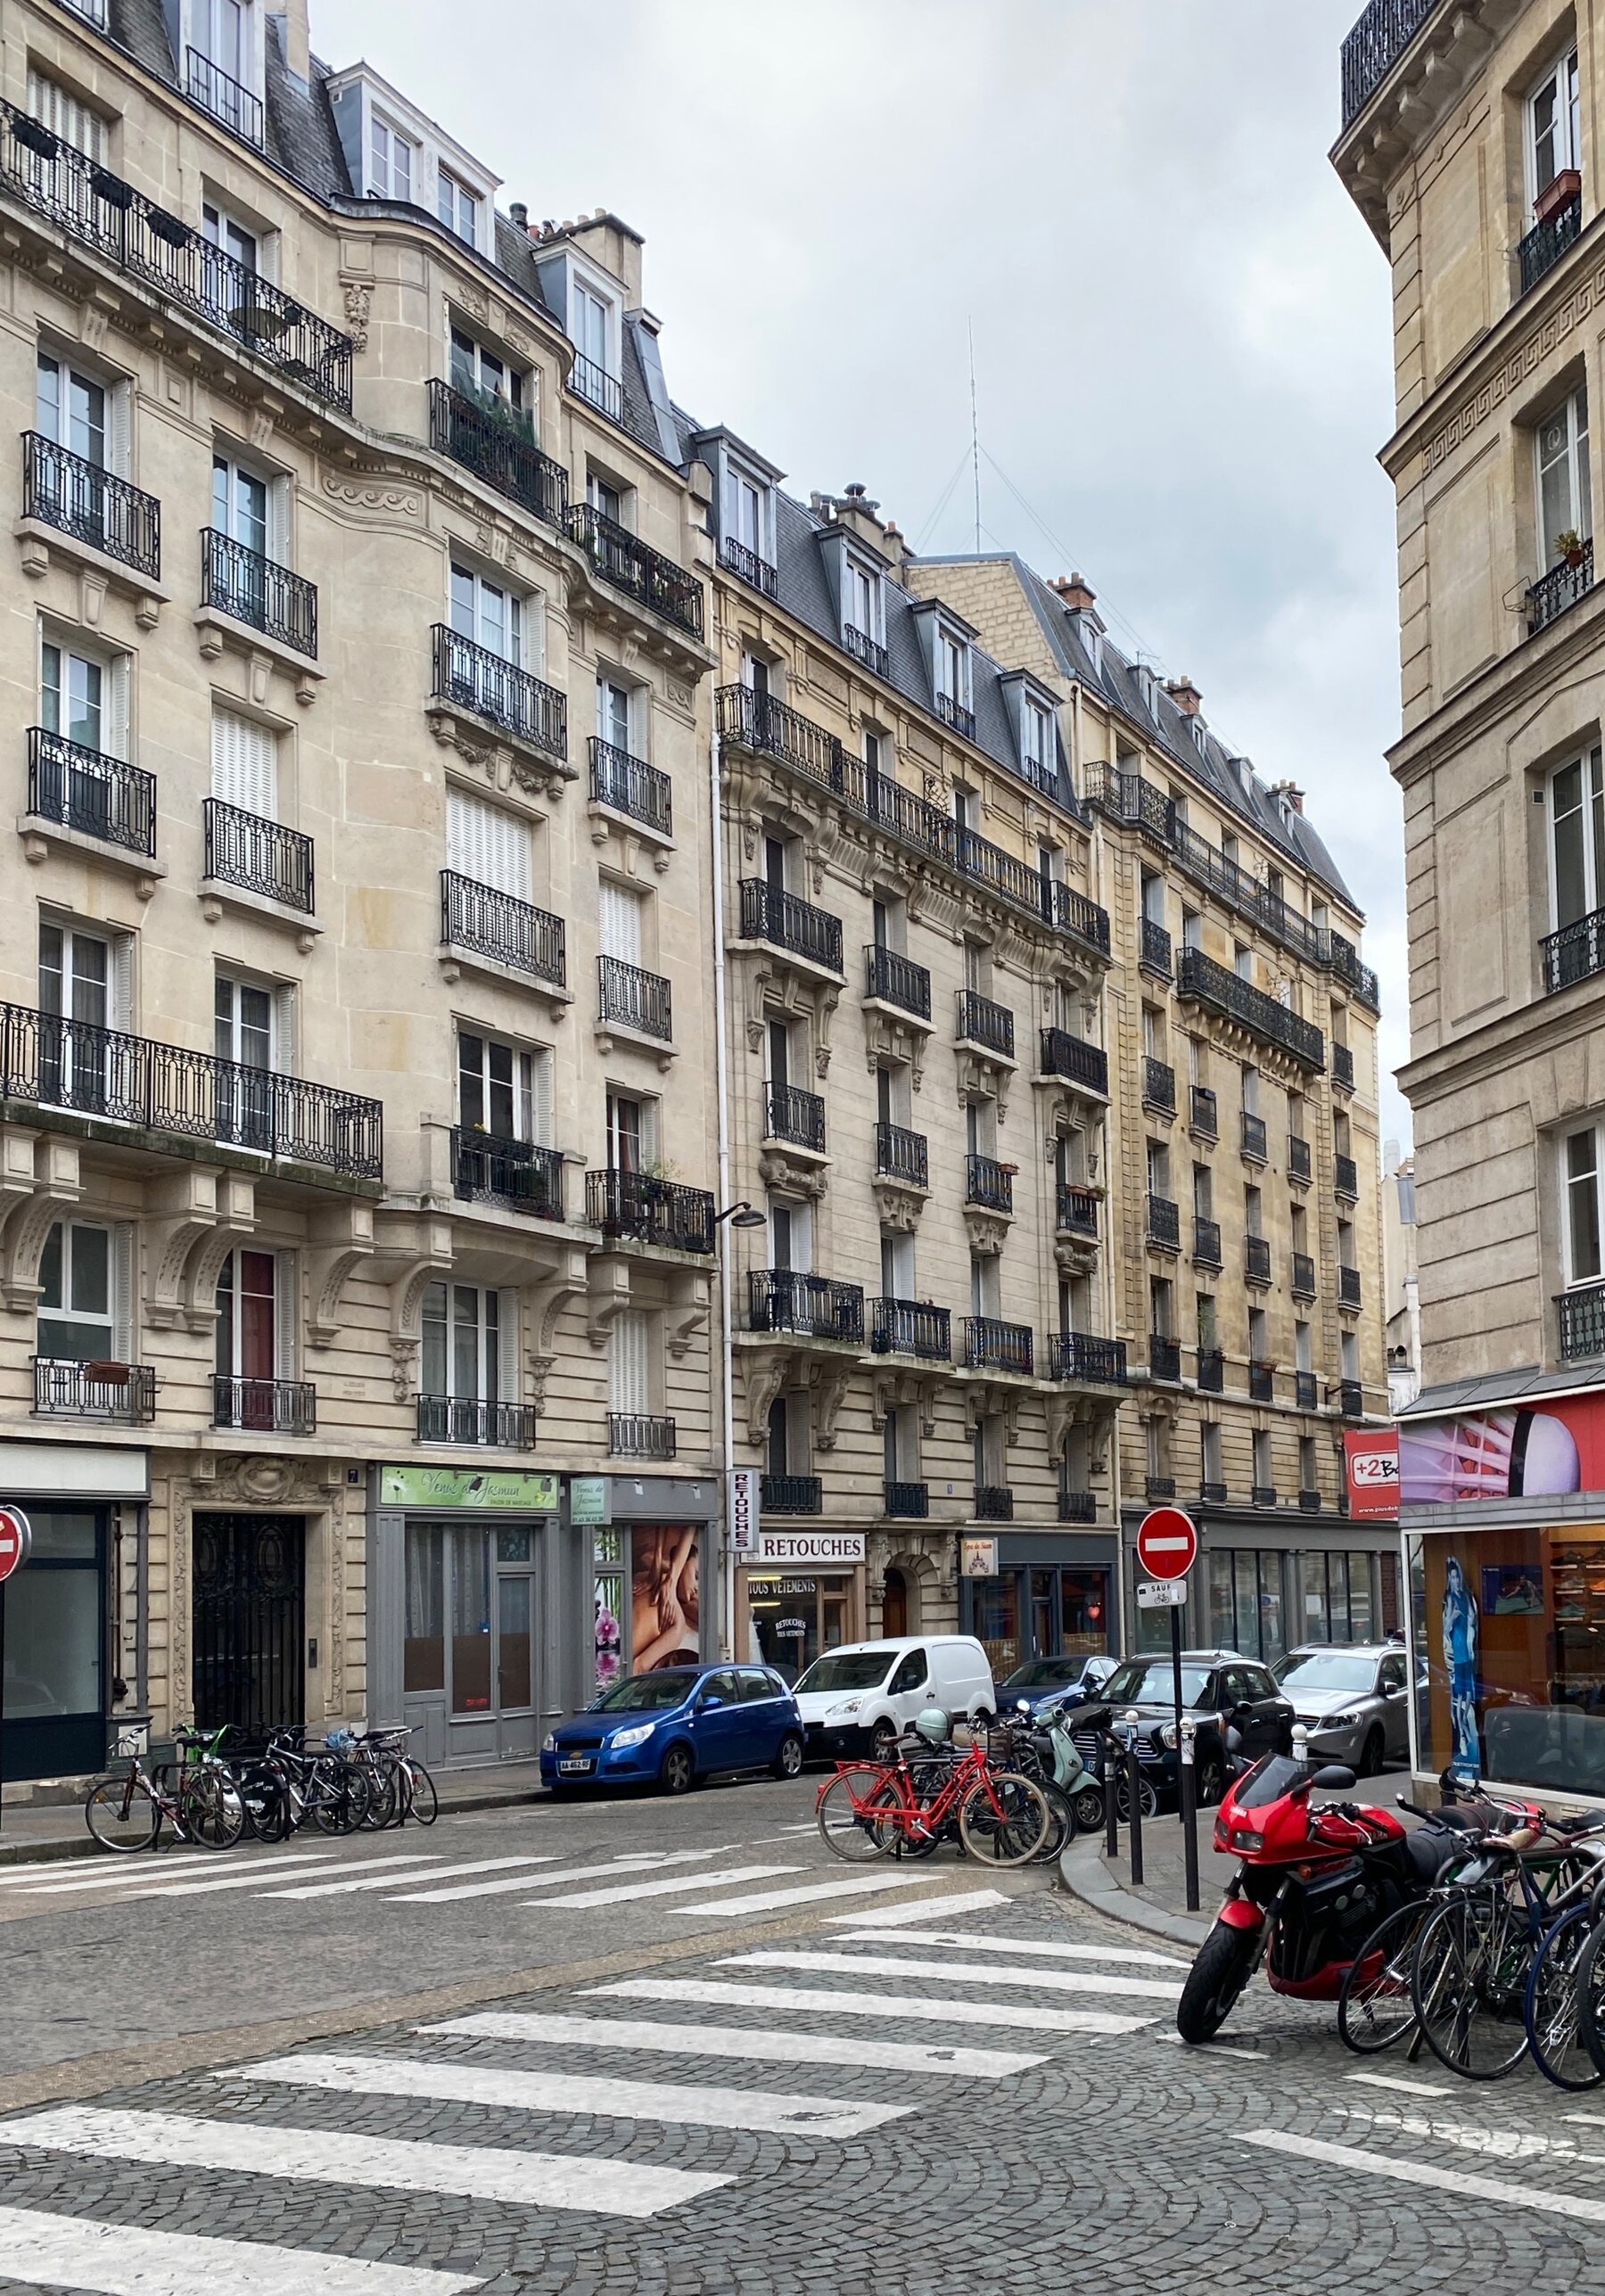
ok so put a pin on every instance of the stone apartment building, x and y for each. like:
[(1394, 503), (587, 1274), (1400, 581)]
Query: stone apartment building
[(1471, 144)]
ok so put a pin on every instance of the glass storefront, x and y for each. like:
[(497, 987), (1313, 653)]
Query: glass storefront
[(794, 1616), (1038, 1611), (55, 1636), (1266, 1601), (468, 1636)]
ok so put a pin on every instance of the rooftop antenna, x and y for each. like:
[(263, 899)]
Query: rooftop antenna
[(975, 437)]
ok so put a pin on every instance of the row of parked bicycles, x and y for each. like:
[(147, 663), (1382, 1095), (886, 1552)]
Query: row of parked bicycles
[(219, 1789)]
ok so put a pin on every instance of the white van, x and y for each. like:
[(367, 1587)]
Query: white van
[(861, 1695)]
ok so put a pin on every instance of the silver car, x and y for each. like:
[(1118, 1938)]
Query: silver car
[(1353, 1699)]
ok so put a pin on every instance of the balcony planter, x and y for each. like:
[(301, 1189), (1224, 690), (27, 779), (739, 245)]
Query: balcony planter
[(1557, 194), (168, 228), (1570, 549), (110, 189), (34, 136)]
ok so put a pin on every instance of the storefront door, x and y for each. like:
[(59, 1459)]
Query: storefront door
[(469, 1655), (248, 1613), (794, 1617), (54, 1633), (1046, 1611)]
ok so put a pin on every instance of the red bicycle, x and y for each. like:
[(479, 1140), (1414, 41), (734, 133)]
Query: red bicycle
[(877, 1809)]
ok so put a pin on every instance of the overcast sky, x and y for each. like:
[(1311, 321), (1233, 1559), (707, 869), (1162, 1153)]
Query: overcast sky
[(1181, 326)]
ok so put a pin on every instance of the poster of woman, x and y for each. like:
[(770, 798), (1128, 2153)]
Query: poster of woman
[(1459, 1657), (665, 1612)]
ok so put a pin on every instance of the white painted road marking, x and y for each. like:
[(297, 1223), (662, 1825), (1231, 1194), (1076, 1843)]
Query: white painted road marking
[(147, 1866), (437, 1873), (1211, 2048), (332, 2156), (1504, 2146), (422, 1860), (770, 1901), (889, 2005), (958, 1972), (1502, 2190), (675, 1886), (677, 2105), (765, 2046), (157, 1884), (590, 1872), (928, 1909), (977, 1941), (1392, 2081), (119, 2259)]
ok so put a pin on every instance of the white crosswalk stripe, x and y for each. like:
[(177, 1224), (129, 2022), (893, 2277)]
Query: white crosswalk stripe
[(117, 2260), (769, 2045), (773, 1901), (957, 1972), (894, 2008), (318, 1863), (593, 1872), (130, 1871), (928, 1909), (418, 1861), (676, 1885), (436, 1873), (977, 1941)]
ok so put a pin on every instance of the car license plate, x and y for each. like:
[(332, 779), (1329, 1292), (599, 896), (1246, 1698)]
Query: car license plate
[(575, 1762)]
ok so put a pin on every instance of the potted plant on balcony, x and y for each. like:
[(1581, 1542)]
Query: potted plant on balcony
[(1559, 193), (110, 189), (1571, 548), (168, 228)]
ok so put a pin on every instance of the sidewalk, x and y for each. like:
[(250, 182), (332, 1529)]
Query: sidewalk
[(1160, 1906), (46, 1831)]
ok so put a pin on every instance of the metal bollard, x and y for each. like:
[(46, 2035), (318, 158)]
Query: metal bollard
[(1134, 1789), (1189, 1813), (1108, 1780)]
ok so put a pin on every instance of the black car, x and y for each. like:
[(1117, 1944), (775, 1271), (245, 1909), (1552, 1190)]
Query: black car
[(1038, 1680), (1221, 1692)]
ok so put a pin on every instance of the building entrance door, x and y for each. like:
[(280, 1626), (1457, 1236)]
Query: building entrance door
[(247, 1622), (470, 1651)]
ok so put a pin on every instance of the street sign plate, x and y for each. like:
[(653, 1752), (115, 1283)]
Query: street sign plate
[(1167, 1543), (1161, 1594), (16, 1537)]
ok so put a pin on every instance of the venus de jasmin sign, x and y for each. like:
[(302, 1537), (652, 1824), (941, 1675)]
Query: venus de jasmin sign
[(810, 1546)]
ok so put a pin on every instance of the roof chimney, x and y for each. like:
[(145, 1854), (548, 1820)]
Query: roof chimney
[(297, 38), (519, 214), (1185, 695), (1290, 795), (854, 510), (1075, 592)]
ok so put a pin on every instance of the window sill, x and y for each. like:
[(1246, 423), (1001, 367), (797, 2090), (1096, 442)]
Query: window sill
[(216, 896), (780, 958), (457, 960), (219, 632), (611, 1034), (896, 1013), (605, 818), (44, 545), (42, 836)]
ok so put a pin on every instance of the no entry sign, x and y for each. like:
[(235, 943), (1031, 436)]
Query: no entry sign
[(16, 1537), (1167, 1543)]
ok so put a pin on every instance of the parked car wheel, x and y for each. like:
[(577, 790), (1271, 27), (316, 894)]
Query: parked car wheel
[(677, 1773), (1374, 1753), (788, 1762), (885, 1743), (1211, 1781)]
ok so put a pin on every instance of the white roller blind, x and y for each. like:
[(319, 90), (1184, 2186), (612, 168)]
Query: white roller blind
[(114, 729), (620, 919), (71, 120), (120, 429), (284, 1028), (244, 765), (487, 845), (626, 1383), (287, 1315), (122, 982)]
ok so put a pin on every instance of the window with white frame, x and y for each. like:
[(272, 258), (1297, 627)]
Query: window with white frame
[(621, 913), (85, 1293), (67, 116), (602, 496), (1580, 1171), (457, 206), (614, 700), (631, 1132), (393, 161), (504, 1088), (478, 373), (244, 764), (84, 696), (468, 1342), (791, 1234), (75, 409), (229, 237), (593, 326), (1576, 812), (241, 506), (255, 1331), (253, 1022), (630, 1382), (83, 973), (861, 601), (488, 845), (1037, 745), (1553, 125), (1560, 472), (953, 668), (487, 614)]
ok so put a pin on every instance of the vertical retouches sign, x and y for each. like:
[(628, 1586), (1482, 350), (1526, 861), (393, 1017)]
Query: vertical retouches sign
[(744, 1503), (1371, 1461)]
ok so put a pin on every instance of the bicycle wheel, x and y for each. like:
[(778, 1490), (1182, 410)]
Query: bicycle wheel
[(210, 1810), (265, 1803), (1374, 2006), (1591, 1998), (1008, 1826), (385, 1803), (329, 1803), (1559, 2050), (845, 1813), (1468, 1986), (1061, 1821), (423, 1802), (123, 1813)]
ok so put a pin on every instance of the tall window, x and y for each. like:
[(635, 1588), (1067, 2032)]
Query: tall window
[(612, 712), (71, 695), (619, 912), (629, 1364), (244, 764), (744, 511), (1576, 807), (1209, 1448), (218, 29), (953, 668), (478, 372), (1580, 1178), (1560, 451), (66, 117), (240, 504), (1553, 139), (590, 323), (457, 206), (393, 155), (462, 1342), (487, 845), (73, 409), (629, 1123), (486, 615), (77, 1314), (247, 1329), (504, 1088), (863, 601), (220, 229), (75, 975), (1036, 743)]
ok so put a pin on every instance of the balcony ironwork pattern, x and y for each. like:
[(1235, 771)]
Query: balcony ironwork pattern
[(1261, 1383), (632, 999), (592, 383), (1164, 1224), (1298, 1156), (486, 1169), (1306, 1391), (631, 785), (640, 1435), (809, 1306), (272, 1406), (865, 649), (471, 678), (1165, 1357), (747, 567), (1077, 1506), (911, 1327), (53, 1062), (1158, 1486), (1159, 1086), (1255, 1141), (895, 980), (627, 564), (258, 856), (77, 497), (1198, 975), (1549, 597), (1077, 1212), (1348, 1287), (464, 1420), (1075, 1060), (1080, 1355), (1257, 1258), (1547, 241), (258, 592), (1350, 1399), (1309, 1502), (989, 1183), (794, 1116), (1213, 1494), (649, 1210), (994, 1503), (489, 923), (98, 796), (235, 107), (1375, 45), (1345, 1178), (953, 713), (906, 1502), (1206, 1242), (991, 1344), (1211, 1371), (491, 439), (900, 1154), (1576, 953), (1304, 1276), (787, 922), (1203, 1113), (1264, 1494), (1343, 1067), (1581, 1314), (984, 1023), (791, 1494), (1153, 954), (124, 1392)]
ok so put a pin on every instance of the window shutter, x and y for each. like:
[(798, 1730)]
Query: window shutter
[(626, 1383), (71, 120), (244, 765), (122, 982), (507, 1354), (284, 1028), (620, 919), (122, 1291), (287, 1315), (487, 845), (119, 446), (278, 521), (114, 729), (541, 1119)]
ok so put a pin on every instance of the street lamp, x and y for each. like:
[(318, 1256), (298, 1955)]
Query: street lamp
[(740, 1215)]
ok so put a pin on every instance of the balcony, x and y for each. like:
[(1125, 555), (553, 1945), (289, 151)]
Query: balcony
[(1576, 953), (645, 575), (1375, 45), (96, 796), (1306, 1392), (1213, 1494), (639, 1435), (908, 1327), (1165, 1357), (791, 1494), (630, 786), (865, 649), (994, 1503), (1159, 1086), (52, 1062), (1127, 797), (1348, 1287), (1343, 960), (251, 588), (1256, 1259), (1261, 1382), (906, 1502), (1077, 1212), (748, 567), (265, 1406), (592, 381), (767, 727), (1200, 978), (1298, 1156), (483, 922), (892, 979), (1078, 1355), (1164, 1224), (1350, 1399), (1343, 1067), (260, 856), (1074, 1060), (1264, 1494), (496, 442), (1309, 1502), (517, 1174), (1211, 1371), (1547, 241), (233, 106), (787, 922), (1158, 1486), (901, 1155), (1074, 913), (1551, 596), (471, 677), (1304, 1276), (1581, 1314), (1206, 1242), (1077, 1506), (122, 1391), (795, 1116), (953, 713), (1154, 948), (989, 1183), (634, 1000), (101, 211), (1253, 1140), (991, 1344), (985, 1024), (1345, 1179), (76, 497), (647, 1210), (812, 1307), (1202, 1115)]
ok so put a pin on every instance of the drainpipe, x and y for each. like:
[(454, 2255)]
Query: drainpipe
[(726, 1641)]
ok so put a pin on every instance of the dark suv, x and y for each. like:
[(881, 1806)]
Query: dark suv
[(1221, 1692)]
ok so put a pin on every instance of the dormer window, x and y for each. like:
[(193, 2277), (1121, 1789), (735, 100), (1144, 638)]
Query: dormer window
[(395, 152), (393, 159), (953, 682), (864, 621), (746, 543), (457, 206), (1037, 745), (594, 326)]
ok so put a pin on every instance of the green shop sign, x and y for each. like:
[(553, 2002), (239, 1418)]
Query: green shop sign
[(463, 1486), (588, 1499)]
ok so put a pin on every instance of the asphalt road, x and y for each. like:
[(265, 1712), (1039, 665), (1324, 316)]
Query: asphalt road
[(955, 2084)]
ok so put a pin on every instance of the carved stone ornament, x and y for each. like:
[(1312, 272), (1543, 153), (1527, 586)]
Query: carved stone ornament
[(264, 1480), (897, 1207), (988, 1231)]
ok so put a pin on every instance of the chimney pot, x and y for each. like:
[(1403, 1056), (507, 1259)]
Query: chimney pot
[(1077, 594), (1185, 695), (519, 214), (1292, 792)]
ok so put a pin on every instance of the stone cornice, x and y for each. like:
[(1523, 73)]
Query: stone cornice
[(1527, 1031), (1512, 684)]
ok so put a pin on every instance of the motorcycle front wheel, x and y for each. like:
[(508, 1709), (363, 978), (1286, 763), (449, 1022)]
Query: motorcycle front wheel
[(1215, 1983)]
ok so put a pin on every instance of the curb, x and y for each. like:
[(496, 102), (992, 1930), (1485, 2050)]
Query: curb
[(1086, 1877)]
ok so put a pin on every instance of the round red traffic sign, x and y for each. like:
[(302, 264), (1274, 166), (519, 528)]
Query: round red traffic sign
[(16, 1537), (1167, 1543)]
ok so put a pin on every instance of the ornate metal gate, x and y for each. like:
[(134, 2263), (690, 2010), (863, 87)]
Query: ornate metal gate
[(248, 1604)]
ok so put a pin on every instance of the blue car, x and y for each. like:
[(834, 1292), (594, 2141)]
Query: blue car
[(677, 1725)]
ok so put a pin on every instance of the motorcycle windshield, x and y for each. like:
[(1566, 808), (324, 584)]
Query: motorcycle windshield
[(1272, 1778)]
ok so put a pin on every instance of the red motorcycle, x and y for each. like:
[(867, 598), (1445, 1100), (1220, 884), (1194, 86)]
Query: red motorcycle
[(1313, 1883)]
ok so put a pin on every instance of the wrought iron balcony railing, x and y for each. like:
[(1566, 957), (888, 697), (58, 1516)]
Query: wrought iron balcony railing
[(794, 1116), (864, 648), (1304, 1275), (1306, 1393), (639, 1435), (908, 1502), (234, 106), (1261, 1382), (1343, 1067), (462, 1419), (1204, 1113), (1163, 1222), (1348, 1287), (953, 713), (257, 591), (1158, 1486), (787, 922), (1350, 1399), (1581, 1315), (1198, 975), (1206, 1242), (471, 678), (272, 1406), (1078, 1355), (628, 565), (1074, 912), (632, 999), (632, 787), (901, 1154), (894, 980), (994, 1503), (77, 497), (54, 1062), (1165, 1356), (1211, 1371), (125, 1392), (1077, 1506), (649, 1210), (258, 856), (1159, 1086), (1547, 241), (1264, 1494), (1345, 1178), (769, 727), (791, 1494), (1077, 1212), (1213, 1494), (592, 381), (1342, 958), (984, 1023), (1576, 953), (486, 922), (1298, 1157), (1255, 1141), (98, 796), (1257, 1258), (812, 1307), (989, 1183), (748, 566), (1073, 1059), (1375, 45), (496, 442), (991, 1344), (1309, 1502), (486, 1169), (911, 1327), (1548, 598), (1154, 953)]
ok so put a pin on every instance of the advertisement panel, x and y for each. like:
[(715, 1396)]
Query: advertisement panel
[(1515, 1453), (1370, 1466), (665, 1599)]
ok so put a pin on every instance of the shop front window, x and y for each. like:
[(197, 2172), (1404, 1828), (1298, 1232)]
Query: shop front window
[(53, 1688), (1083, 1613), (608, 1555), (424, 1657), (997, 1621), (793, 1618), (471, 1622), (469, 1630), (1246, 1611)]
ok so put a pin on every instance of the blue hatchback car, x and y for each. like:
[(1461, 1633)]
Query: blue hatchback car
[(677, 1725)]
